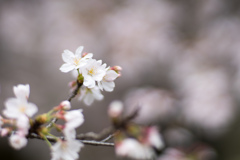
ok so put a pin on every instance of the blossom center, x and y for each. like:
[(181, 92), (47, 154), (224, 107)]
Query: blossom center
[(76, 61), (92, 71), (22, 109)]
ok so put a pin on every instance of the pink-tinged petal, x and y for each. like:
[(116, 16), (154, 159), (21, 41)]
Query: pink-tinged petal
[(22, 91), (66, 67), (89, 55), (78, 52), (108, 86), (67, 56)]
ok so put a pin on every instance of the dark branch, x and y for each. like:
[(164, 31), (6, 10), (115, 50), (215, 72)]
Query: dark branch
[(75, 92)]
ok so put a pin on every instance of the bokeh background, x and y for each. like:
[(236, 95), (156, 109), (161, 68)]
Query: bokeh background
[(180, 60)]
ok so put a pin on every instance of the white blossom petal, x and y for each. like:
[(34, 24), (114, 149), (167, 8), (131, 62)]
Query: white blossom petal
[(66, 67), (67, 56), (78, 52)]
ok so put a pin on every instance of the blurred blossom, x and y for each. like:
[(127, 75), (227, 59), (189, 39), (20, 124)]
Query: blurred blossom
[(197, 152), (155, 105), (206, 102)]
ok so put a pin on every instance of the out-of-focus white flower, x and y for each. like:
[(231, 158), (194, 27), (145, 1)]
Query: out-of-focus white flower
[(22, 91), (154, 138), (23, 124), (107, 82), (115, 109), (92, 72), (18, 141), (133, 149), (73, 119), (66, 105), (74, 61), (67, 150), (17, 107), (89, 94)]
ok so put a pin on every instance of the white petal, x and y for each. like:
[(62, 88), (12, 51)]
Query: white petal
[(100, 86), (66, 67), (78, 52), (67, 56), (108, 86), (88, 81), (31, 109), (22, 91), (88, 99), (110, 75), (97, 94)]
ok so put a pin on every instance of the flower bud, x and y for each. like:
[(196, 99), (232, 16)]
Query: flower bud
[(115, 109), (66, 105)]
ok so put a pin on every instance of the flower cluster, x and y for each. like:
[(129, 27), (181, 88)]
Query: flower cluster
[(18, 111), (132, 140), (91, 73), (20, 125)]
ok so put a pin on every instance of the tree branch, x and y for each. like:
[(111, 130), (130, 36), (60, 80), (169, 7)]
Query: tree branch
[(87, 142)]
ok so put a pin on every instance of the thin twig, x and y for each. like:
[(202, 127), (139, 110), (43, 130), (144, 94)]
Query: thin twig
[(75, 92), (107, 138), (87, 142), (94, 136)]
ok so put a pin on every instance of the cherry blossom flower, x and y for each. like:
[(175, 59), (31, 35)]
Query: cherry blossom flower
[(74, 61), (74, 118), (16, 107), (89, 94), (18, 141), (107, 82), (131, 148), (66, 150), (22, 91), (92, 72)]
